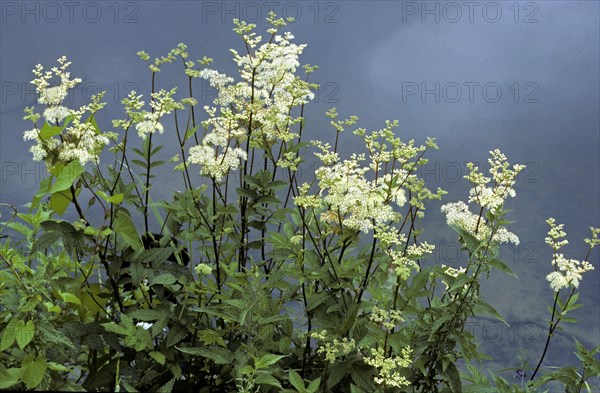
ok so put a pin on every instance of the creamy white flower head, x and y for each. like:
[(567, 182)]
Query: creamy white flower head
[(452, 271), (213, 164), (56, 114), (215, 78), (567, 272), (146, 127), (56, 94), (203, 269), (388, 367), (81, 140), (82, 143), (458, 215), (53, 95)]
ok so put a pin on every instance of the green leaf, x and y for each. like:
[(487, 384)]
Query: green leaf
[(9, 377), (159, 357), (156, 163), (483, 308), (66, 177), (116, 199), (262, 378), (148, 315), (24, 334), (190, 132), (33, 370), (176, 334), (498, 264), (454, 378), (362, 377), (297, 381), (124, 226), (313, 386), (164, 279), (57, 367), (338, 372), (113, 327), (68, 297), (49, 131), (167, 387), (267, 360), (217, 355), (9, 334), (45, 241), (59, 201), (210, 337)]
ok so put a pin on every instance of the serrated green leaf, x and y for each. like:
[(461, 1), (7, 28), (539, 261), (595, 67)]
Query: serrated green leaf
[(175, 335), (167, 387), (296, 381), (113, 327), (262, 378), (454, 378), (164, 279), (267, 360), (313, 386), (210, 337), (338, 372)]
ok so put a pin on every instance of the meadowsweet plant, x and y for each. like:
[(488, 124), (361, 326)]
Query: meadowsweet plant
[(249, 279)]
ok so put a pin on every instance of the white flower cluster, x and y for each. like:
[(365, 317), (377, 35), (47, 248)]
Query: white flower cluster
[(203, 269), (488, 193), (404, 262), (334, 349), (387, 319), (504, 178), (53, 95), (81, 141), (214, 164), (353, 200), (162, 103), (258, 107), (453, 273), (459, 215), (78, 138), (363, 197), (567, 272), (388, 367)]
